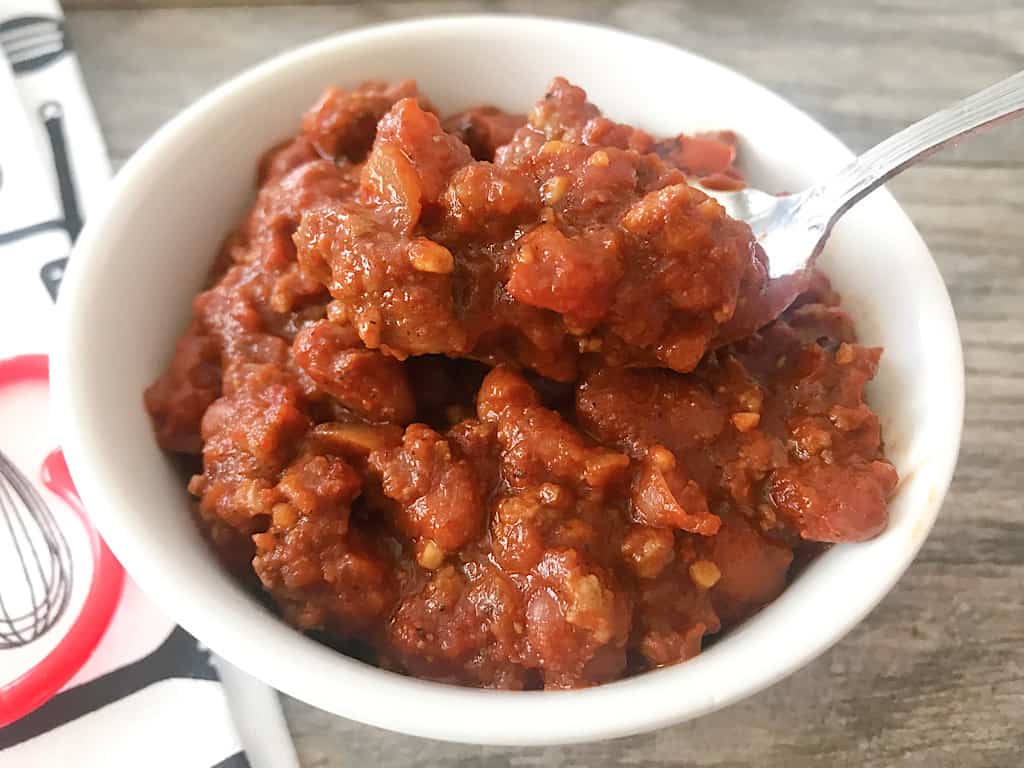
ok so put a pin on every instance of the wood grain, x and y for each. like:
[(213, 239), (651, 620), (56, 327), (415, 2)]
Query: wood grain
[(935, 676)]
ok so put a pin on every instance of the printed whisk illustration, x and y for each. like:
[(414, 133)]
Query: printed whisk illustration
[(31, 543)]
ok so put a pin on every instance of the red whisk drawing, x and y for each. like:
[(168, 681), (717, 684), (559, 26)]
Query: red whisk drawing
[(41, 549)]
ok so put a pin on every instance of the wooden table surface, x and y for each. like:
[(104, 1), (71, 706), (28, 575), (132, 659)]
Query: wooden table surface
[(935, 675)]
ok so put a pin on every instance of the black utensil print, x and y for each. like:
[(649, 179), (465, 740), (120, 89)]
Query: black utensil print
[(33, 229), (51, 273), (33, 42), (30, 43), (53, 118), (179, 656), (52, 114), (32, 537)]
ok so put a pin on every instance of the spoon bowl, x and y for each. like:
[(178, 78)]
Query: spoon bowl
[(793, 229)]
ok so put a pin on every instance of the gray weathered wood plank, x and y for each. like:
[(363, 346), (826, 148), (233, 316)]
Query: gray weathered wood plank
[(935, 676)]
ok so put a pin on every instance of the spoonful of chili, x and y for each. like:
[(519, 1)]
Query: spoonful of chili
[(793, 229)]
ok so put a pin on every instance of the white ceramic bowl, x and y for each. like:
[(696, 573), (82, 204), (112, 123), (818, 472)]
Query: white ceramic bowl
[(138, 264)]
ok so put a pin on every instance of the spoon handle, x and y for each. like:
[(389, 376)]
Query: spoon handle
[(1001, 101)]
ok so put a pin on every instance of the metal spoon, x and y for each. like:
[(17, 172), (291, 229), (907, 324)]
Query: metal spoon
[(793, 228)]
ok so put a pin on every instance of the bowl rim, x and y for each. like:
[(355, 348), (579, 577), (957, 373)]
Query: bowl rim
[(615, 709)]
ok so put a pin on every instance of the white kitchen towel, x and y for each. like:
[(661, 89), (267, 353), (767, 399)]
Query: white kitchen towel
[(145, 693)]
